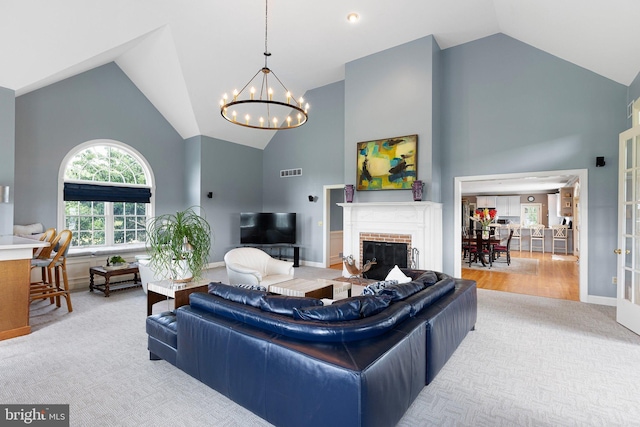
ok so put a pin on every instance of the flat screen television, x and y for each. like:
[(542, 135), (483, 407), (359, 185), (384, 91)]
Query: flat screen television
[(267, 228)]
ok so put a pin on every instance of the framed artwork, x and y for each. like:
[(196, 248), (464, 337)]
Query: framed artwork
[(387, 164)]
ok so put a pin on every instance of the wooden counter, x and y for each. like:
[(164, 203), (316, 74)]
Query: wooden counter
[(15, 275)]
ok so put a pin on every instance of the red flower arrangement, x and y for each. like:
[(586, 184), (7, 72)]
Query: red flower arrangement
[(484, 216)]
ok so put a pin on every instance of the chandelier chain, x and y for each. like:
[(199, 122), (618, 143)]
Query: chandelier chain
[(266, 26)]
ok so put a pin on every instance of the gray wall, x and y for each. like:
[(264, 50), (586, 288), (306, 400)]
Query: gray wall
[(97, 104), (508, 107), (7, 159), (233, 173), (390, 94), (317, 148)]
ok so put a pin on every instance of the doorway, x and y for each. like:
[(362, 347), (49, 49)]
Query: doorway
[(582, 213), (332, 223)]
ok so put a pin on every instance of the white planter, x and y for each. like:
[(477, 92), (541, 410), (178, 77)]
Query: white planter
[(182, 272)]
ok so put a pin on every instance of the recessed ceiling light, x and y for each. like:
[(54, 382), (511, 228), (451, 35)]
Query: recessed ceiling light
[(353, 17)]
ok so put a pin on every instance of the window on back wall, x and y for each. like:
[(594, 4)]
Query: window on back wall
[(106, 195)]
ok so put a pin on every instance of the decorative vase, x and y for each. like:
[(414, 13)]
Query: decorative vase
[(416, 188), (348, 193), (485, 232)]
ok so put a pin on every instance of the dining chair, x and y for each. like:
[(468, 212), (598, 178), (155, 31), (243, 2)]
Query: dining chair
[(56, 265), (537, 235), (498, 250), (560, 234)]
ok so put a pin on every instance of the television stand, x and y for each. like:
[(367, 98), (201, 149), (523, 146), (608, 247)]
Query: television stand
[(271, 250)]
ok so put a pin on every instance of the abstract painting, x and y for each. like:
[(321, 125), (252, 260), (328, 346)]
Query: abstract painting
[(387, 164)]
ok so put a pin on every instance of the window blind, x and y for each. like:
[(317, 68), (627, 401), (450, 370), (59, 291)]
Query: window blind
[(105, 193)]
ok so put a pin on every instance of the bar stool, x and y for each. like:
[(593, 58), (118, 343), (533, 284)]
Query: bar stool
[(516, 235), (537, 235), (560, 234)]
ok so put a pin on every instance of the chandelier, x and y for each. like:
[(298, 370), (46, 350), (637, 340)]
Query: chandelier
[(258, 105)]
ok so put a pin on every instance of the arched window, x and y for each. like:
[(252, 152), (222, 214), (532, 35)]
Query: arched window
[(106, 190)]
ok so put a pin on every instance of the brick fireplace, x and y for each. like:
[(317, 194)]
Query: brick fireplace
[(417, 224)]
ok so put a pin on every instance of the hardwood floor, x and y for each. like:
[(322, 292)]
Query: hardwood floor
[(555, 279)]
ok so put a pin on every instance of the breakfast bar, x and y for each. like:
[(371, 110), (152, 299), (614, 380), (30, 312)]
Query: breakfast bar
[(15, 270)]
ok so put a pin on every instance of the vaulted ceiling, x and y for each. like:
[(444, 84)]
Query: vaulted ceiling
[(184, 54)]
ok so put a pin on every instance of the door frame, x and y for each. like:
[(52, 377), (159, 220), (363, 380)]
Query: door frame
[(326, 222), (583, 213)]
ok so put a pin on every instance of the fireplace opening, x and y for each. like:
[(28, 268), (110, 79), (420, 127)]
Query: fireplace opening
[(387, 256)]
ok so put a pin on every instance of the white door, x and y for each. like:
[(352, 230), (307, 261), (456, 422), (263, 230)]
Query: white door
[(628, 302)]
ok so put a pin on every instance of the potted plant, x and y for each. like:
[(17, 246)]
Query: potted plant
[(179, 244)]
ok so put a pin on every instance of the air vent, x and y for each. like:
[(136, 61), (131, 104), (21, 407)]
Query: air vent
[(288, 173)]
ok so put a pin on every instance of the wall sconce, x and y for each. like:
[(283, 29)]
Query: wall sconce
[(600, 162), (313, 198), (4, 194)]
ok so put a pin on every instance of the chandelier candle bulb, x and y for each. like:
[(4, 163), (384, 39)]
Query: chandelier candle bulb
[(252, 93), (247, 118), (261, 122), (235, 95), (270, 94), (234, 114), (288, 120), (288, 97)]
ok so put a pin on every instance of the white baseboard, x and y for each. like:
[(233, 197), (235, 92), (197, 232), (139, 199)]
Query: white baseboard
[(594, 299)]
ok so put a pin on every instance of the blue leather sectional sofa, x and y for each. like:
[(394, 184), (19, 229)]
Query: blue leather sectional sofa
[(361, 361)]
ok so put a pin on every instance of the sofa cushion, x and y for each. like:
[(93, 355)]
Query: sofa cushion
[(163, 327), (284, 304), (372, 304), (347, 309), (397, 274), (235, 294), (402, 290), (428, 278), (375, 288)]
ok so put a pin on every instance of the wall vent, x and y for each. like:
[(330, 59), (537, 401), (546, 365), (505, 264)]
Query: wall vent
[(288, 173)]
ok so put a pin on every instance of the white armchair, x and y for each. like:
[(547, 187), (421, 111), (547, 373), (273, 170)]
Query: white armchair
[(253, 266), (148, 272)]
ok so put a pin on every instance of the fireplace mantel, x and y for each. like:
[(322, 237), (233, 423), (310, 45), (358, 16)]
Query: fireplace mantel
[(421, 220)]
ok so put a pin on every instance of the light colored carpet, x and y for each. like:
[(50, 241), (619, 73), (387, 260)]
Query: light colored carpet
[(517, 266), (530, 362)]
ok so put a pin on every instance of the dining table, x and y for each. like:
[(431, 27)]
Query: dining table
[(482, 242)]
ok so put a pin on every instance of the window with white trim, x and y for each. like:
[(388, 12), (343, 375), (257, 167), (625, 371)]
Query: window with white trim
[(106, 195)]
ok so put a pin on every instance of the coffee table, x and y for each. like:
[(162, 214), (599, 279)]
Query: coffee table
[(164, 289), (317, 288), (107, 287)]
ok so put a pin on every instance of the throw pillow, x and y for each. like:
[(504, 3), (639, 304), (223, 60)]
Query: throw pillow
[(240, 295), (283, 304), (397, 274), (348, 309), (402, 290), (253, 287), (375, 288)]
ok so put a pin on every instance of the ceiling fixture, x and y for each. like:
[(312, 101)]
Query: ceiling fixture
[(259, 106), (353, 17)]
